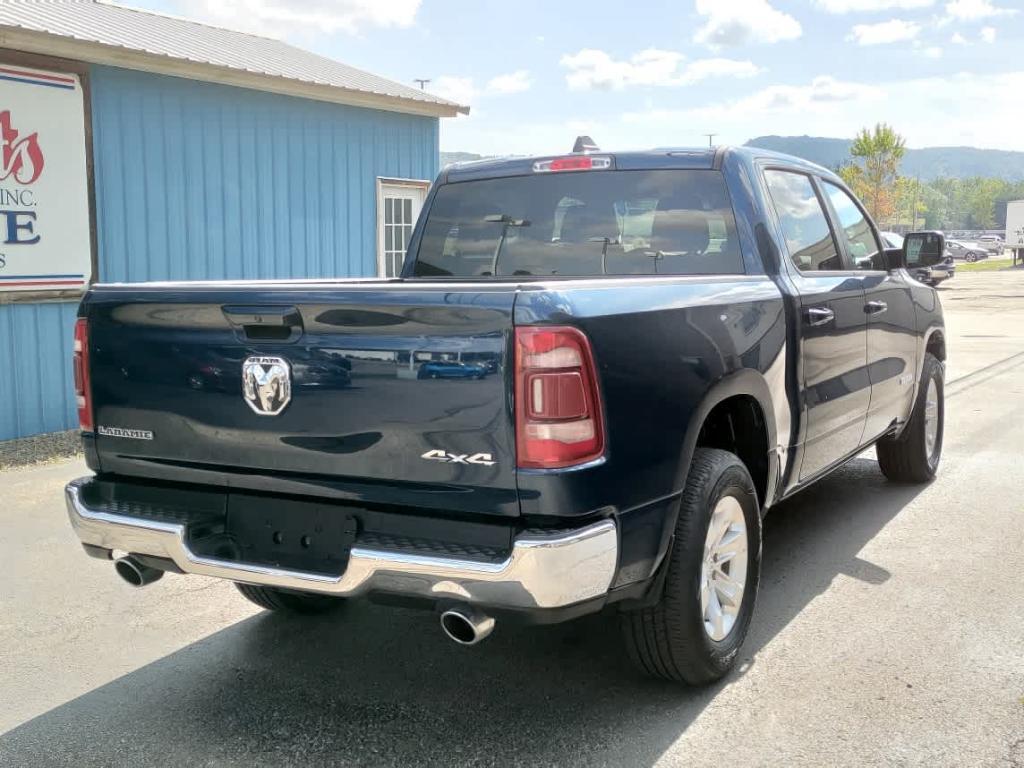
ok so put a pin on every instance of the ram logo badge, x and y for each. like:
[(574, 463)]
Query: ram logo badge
[(267, 384), (484, 459)]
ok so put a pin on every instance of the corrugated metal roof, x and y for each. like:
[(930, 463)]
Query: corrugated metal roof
[(142, 37)]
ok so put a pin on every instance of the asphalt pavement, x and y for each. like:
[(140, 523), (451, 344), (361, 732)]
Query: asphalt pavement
[(889, 630)]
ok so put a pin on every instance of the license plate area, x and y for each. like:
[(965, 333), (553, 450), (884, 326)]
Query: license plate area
[(288, 533)]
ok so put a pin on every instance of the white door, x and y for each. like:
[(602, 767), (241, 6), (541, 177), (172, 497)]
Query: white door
[(398, 205)]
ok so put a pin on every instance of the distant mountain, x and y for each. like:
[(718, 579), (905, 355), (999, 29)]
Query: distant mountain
[(928, 163), (447, 158)]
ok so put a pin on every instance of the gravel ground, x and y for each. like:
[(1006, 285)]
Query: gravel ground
[(889, 631), (39, 449)]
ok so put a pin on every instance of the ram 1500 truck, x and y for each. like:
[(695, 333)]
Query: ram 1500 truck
[(594, 376)]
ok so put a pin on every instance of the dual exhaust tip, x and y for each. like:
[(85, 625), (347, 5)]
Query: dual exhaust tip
[(466, 625), (463, 624), (136, 573)]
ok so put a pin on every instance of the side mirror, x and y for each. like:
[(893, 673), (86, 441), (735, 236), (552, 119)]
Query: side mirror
[(892, 258), (923, 249)]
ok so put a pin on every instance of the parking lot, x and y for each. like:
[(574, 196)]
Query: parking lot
[(889, 631)]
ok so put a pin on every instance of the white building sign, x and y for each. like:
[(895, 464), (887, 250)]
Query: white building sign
[(44, 193)]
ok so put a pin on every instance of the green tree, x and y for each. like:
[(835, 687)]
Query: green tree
[(910, 202), (936, 203), (981, 201), (877, 153)]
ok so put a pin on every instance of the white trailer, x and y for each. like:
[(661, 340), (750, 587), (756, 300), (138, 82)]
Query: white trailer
[(1015, 228)]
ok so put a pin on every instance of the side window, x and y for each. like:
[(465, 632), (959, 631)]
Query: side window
[(804, 222), (860, 239)]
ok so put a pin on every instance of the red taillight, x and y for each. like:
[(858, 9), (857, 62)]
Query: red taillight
[(80, 365), (558, 410)]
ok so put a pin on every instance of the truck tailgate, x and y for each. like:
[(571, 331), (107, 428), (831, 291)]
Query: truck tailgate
[(398, 394)]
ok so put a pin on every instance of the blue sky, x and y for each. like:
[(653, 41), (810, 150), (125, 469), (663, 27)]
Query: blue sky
[(656, 73)]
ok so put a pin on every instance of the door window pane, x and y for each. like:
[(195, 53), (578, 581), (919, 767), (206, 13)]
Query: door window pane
[(394, 234), (804, 223), (860, 240)]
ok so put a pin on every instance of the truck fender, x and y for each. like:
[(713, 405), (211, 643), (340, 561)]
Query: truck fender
[(929, 334), (743, 382)]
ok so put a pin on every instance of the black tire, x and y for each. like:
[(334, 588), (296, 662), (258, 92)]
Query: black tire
[(668, 639), (287, 601), (906, 459), (970, 257)]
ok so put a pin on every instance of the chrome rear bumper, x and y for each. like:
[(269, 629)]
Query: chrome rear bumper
[(543, 570)]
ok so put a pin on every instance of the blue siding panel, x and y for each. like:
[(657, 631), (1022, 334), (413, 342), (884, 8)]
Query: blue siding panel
[(201, 181), (36, 394), (197, 181)]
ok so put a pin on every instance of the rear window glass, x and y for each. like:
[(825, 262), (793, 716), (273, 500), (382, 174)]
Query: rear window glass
[(589, 223)]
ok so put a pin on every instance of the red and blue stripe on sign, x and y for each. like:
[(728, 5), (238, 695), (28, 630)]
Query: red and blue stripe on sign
[(26, 280), (36, 78)]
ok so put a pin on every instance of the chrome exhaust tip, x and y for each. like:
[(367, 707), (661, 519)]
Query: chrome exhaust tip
[(135, 573), (466, 625)]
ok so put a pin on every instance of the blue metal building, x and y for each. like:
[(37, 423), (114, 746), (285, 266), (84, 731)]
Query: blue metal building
[(213, 155)]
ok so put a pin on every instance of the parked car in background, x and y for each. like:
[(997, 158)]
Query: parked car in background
[(681, 340), (437, 369), (967, 250), (993, 243), (932, 275)]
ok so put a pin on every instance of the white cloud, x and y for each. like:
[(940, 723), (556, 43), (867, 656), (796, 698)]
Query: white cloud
[(821, 94), (958, 39), (514, 82), (932, 52), (849, 6), (281, 18), (464, 90), (974, 10), (738, 22), (701, 69), (988, 34), (594, 69), (461, 90), (892, 31)]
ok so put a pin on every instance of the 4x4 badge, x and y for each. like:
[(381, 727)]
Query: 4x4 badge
[(459, 458)]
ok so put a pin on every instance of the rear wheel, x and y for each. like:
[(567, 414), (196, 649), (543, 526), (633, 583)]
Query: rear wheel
[(287, 601), (914, 456), (694, 632), (971, 257)]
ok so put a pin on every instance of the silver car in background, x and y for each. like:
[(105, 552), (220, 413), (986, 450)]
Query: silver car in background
[(993, 243), (968, 250)]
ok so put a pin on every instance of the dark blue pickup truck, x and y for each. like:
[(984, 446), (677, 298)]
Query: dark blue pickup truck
[(662, 346)]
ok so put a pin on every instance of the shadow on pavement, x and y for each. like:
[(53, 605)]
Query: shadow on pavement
[(374, 685)]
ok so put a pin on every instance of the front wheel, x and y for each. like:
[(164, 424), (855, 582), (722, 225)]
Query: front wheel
[(693, 633), (913, 457), (971, 258)]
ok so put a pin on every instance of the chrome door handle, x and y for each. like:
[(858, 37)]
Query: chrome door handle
[(820, 315), (875, 307)]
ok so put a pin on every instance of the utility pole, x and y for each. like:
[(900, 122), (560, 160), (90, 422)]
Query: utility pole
[(711, 137), (917, 186), (423, 82)]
